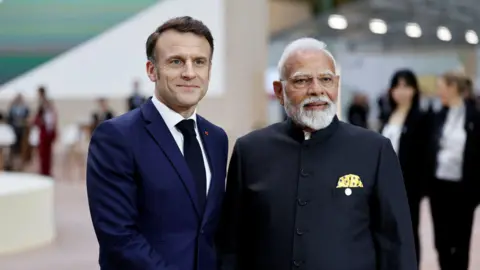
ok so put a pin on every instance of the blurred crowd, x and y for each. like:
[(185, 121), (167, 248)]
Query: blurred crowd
[(28, 134), (435, 137)]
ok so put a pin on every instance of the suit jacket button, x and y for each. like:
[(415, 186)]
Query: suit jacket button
[(202, 232), (302, 202), (303, 173), (300, 232), (297, 263)]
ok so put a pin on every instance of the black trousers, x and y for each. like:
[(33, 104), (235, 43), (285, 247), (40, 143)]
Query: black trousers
[(416, 191), (414, 203), (452, 214)]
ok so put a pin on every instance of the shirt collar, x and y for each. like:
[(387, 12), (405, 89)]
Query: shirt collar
[(171, 117)]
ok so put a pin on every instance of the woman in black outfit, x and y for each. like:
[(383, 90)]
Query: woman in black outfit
[(455, 159), (407, 128)]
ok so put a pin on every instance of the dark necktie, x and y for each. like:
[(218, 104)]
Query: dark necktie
[(193, 155)]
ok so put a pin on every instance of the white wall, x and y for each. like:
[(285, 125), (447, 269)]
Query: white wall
[(371, 73), (106, 65)]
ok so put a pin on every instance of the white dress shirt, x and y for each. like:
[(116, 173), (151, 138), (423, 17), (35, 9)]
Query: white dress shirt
[(393, 132), (452, 146), (171, 119), (307, 135)]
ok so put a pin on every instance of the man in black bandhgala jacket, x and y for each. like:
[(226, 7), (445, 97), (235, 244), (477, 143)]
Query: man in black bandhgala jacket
[(313, 192)]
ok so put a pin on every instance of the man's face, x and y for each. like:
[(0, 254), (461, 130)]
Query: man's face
[(309, 88), (42, 95), (19, 99), (102, 103), (182, 69), (136, 86)]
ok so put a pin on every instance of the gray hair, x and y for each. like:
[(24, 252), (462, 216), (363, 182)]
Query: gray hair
[(301, 45)]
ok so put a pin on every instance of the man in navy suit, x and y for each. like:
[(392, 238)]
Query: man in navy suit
[(156, 175)]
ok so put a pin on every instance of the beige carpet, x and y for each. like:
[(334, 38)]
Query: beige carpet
[(76, 248)]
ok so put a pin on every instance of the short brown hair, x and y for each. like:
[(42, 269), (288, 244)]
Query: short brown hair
[(185, 24), (461, 81)]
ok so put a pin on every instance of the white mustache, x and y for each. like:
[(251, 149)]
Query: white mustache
[(316, 99)]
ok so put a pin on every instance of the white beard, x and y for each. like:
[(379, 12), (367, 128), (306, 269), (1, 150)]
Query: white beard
[(313, 119)]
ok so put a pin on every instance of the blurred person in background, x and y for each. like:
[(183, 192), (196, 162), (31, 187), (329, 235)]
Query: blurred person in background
[(470, 95), (455, 159), (384, 109), (156, 176), (46, 121), (103, 113), (407, 127), (7, 137), (18, 115), (358, 111), (136, 99), (314, 192)]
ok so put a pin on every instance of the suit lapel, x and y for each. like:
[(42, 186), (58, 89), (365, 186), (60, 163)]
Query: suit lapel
[(157, 128), (208, 143)]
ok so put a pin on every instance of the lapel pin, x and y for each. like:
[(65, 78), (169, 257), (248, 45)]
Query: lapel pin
[(206, 133)]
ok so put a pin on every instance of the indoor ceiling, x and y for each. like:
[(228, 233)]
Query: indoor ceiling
[(458, 16)]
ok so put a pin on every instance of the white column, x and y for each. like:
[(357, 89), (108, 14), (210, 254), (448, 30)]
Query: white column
[(246, 48)]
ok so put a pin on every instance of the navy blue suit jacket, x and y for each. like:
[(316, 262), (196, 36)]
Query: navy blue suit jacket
[(142, 197)]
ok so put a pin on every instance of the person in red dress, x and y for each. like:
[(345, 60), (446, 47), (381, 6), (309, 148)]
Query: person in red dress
[(46, 121)]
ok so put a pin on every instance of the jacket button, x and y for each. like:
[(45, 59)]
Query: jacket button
[(302, 202), (300, 232), (303, 173), (297, 263), (202, 231)]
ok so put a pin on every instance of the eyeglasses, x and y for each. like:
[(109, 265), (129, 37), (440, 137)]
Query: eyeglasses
[(327, 81)]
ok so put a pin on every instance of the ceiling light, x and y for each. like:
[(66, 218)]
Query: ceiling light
[(471, 37), (444, 34), (378, 26), (337, 22), (413, 30)]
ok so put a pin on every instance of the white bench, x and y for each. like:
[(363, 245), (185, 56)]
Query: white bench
[(26, 210)]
